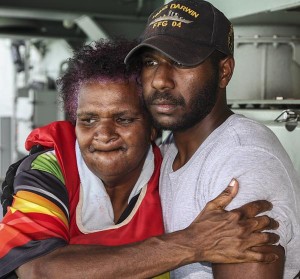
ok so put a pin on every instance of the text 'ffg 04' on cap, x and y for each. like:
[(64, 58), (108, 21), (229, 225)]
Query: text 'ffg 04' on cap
[(187, 31)]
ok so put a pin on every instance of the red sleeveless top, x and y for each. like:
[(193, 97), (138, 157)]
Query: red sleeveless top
[(144, 221)]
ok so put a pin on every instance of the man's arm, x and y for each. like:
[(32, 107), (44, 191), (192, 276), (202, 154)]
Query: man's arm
[(262, 176), (253, 270), (216, 236)]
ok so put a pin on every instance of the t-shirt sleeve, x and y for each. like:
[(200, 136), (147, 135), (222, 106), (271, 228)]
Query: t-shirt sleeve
[(37, 222), (261, 176)]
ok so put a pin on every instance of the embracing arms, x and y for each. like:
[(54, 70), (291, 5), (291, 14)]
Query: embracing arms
[(215, 236)]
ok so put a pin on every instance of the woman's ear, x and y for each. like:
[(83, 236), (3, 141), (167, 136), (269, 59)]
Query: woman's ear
[(226, 67), (154, 133)]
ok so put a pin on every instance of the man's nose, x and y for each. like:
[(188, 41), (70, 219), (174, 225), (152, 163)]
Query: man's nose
[(163, 78), (106, 132)]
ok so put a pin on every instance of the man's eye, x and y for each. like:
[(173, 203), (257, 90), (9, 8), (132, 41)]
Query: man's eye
[(178, 65), (148, 62)]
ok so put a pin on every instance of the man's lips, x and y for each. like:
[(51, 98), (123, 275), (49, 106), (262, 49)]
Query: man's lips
[(163, 106)]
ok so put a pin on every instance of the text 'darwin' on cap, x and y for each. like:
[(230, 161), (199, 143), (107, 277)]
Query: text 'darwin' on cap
[(187, 31)]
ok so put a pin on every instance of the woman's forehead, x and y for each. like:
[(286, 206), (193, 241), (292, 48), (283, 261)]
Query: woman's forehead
[(112, 94)]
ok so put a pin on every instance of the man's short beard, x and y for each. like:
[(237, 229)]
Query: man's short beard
[(200, 106)]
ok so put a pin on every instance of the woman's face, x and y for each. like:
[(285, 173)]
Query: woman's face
[(112, 129)]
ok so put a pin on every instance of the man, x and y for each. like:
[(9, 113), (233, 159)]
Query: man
[(187, 56), (99, 188)]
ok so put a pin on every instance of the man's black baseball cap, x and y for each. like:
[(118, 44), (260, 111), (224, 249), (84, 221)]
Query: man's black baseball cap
[(187, 31)]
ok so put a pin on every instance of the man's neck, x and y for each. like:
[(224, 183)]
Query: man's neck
[(188, 141)]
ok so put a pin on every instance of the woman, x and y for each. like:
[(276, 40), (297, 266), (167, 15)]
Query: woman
[(97, 182)]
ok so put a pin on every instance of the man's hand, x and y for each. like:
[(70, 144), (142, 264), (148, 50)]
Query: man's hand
[(229, 235)]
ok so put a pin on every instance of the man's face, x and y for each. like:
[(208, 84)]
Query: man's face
[(177, 97), (112, 129)]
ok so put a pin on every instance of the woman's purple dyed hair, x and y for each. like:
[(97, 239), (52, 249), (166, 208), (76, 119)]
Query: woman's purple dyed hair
[(100, 61)]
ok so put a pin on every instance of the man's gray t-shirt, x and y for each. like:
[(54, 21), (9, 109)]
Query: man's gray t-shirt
[(251, 153)]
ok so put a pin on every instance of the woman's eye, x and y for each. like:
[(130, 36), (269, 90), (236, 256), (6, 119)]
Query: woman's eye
[(87, 120), (125, 120)]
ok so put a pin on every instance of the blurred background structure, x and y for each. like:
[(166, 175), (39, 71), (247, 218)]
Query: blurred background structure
[(36, 38)]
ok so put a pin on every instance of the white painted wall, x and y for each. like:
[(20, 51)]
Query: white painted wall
[(7, 79), (6, 83), (41, 67), (57, 52)]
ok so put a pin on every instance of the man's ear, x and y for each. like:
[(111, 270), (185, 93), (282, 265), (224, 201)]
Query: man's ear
[(226, 67)]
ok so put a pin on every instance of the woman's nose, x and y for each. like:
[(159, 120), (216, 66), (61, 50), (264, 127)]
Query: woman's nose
[(105, 132)]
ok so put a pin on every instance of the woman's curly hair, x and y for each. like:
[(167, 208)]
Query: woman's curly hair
[(99, 61)]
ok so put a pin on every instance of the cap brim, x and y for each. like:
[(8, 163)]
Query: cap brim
[(183, 52)]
